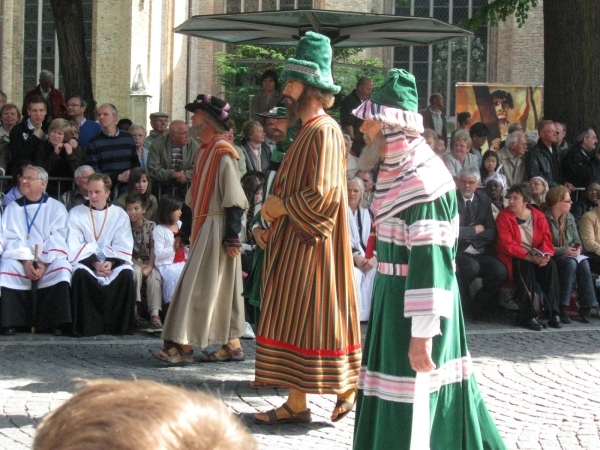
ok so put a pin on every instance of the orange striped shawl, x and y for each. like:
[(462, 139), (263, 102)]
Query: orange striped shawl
[(206, 166)]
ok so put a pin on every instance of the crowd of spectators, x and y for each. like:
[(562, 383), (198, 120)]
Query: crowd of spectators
[(536, 265), (522, 226)]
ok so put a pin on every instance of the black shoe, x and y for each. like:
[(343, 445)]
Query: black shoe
[(533, 324), (555, 321), (585, 314), (9, 331), (564, 315)]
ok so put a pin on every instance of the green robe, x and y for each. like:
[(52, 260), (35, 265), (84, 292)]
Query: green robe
[(423, 237)]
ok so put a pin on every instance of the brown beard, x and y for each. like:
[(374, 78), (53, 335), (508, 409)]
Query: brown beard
[(293, 107), (372, 153)]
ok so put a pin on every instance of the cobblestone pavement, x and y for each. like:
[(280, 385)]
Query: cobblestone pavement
[(541, 388)]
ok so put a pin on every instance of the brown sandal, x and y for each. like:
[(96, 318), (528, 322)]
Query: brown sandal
[(347, 407), (232, 355), (174, 356), (295, 417)]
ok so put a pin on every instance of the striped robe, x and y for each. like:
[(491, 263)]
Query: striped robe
[(309, 335), (415, 251)]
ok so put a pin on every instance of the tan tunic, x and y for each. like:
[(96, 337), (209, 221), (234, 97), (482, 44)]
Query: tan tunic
[(207, 306)]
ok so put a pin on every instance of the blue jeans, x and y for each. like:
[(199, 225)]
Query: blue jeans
[(568, 271)]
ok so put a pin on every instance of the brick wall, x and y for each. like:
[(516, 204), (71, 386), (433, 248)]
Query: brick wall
[(111, 53), (517, 54), (12, 51)]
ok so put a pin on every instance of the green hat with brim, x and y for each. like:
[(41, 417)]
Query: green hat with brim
[(312, 63)]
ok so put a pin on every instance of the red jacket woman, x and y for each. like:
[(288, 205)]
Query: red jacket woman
[(529, 267), (508, 242)]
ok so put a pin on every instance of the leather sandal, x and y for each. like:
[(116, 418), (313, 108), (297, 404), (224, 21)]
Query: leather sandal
[(174, 356), (346, 406), (232, 355), (295, 417)]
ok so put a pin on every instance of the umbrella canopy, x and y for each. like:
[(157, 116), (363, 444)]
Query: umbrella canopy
[(345, 29)]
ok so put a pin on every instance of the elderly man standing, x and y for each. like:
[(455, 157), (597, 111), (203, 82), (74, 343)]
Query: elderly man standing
[(34, 220), (416, 323), (171, 159), (112, 151), (308, 337), (159, 121), (53, 97), (207, 307), (511, 158), (100, 248), (434, 117), (351, 124)]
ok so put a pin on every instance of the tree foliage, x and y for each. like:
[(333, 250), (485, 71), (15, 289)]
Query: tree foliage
[(499, 10), (241, 69)]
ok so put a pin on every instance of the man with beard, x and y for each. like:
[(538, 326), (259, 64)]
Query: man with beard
[(259, 226), (308, 337), (416, 323), (207, 307)]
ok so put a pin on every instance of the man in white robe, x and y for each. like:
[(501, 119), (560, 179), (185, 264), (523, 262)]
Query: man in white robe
[(34, 219), (100, 248)]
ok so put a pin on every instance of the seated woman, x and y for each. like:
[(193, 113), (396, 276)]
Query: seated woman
[(589, 232), (567, 247), (524, 246), (538, 188), (360, 227), (139, 182), (586, 203), (460, 156), (495, 189), (9, 117), (60, 155)]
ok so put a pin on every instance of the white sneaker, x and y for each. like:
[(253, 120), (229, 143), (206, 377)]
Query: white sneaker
[(509, 304), (249, 334)]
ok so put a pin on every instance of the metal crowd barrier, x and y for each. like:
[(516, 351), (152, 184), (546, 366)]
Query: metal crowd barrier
[(6, 184)]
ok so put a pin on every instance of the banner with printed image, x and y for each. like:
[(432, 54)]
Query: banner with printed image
[(499, 105)]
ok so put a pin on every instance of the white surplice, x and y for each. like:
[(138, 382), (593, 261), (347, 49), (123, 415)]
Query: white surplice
[(48, 229), (115, 240)]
